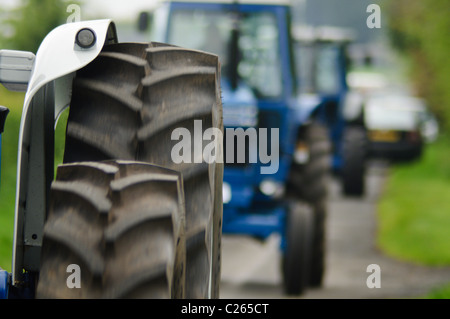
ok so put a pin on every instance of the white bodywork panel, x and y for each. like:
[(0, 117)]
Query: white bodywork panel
[(393, 112), (57, 59)]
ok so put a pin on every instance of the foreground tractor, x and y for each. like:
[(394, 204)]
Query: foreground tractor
[(277, 154), (120, 211)]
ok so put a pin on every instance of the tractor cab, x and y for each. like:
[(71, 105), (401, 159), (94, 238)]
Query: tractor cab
[(322, 68)]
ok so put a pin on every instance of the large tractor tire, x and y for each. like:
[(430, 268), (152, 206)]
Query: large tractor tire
[(125, 106), (296, 259), (318, 254), (122, 224), (354, 155), (309, 182)]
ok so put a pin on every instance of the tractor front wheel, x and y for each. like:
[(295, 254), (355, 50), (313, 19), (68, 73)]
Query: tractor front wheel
[(354, 156), (296, 263)]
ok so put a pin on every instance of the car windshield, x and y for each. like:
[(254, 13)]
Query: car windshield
[(259, 58)]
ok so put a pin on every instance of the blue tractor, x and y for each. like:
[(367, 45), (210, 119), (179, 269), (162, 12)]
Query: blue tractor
[(323, 63), (277, 153)]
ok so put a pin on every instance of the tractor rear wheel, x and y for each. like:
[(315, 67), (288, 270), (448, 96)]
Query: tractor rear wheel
[(126, 105)]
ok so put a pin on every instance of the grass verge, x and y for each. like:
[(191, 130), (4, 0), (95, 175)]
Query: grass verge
[(439, 293), (10, 138), (414, 212)]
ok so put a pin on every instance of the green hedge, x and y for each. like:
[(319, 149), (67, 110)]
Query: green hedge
[(414, 211), (420, 29)]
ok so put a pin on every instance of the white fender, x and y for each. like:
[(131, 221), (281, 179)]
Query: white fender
[(57, 59), (59, 56)]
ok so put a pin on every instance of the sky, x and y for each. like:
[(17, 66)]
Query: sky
[(115, 9)]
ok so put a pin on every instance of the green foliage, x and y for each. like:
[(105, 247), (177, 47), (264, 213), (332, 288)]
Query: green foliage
[(10, 138), (439, 293), (420, 29), (31, 22), (414, 219)]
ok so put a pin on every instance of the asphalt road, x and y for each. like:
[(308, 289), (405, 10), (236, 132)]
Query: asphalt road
[(251, 269)]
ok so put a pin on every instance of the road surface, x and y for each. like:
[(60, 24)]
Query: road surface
[(250, 269)]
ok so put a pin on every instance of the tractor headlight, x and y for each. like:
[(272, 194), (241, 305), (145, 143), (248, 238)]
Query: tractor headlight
[(301, 154), (226, 193), (271, 188), (85, 38)]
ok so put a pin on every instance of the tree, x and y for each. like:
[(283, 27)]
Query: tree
[(31, 22), (419, 29)]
